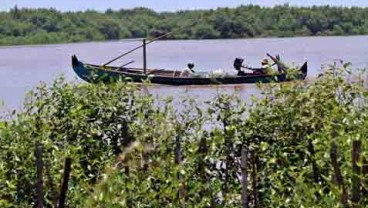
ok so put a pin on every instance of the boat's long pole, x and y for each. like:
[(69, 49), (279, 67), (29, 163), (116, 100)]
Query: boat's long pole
[(144, 57), (134, 49)]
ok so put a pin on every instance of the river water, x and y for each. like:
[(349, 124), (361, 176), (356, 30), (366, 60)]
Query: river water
[(24, 67)]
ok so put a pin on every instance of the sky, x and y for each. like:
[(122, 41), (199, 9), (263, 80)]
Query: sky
[(164, 5)]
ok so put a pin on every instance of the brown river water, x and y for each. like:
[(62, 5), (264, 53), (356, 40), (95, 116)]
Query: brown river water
[(24, 67)]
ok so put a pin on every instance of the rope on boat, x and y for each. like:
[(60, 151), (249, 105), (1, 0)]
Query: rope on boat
[(134, 49), (150, 41)]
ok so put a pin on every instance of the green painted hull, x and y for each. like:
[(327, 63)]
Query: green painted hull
[(89, 72)]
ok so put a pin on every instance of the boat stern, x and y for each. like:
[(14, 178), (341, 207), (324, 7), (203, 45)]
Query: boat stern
[(304, 70)]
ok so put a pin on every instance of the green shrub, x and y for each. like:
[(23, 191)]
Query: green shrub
[(130, 150)]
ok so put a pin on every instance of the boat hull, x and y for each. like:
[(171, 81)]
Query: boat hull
[(90, 72)]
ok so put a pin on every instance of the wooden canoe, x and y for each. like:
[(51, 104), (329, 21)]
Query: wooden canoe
[(90, 72)]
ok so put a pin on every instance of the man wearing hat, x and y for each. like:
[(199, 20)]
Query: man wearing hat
[(265, 67), (265, 64)]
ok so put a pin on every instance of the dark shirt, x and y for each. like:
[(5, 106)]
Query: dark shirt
[(241, 73)]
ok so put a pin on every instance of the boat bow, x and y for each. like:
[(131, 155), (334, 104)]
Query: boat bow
[(80, 69)]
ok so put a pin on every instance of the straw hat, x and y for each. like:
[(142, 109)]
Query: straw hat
[(264, 61)]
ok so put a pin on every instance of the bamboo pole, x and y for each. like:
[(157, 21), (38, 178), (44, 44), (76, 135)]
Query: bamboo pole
[(126, 64), (136, 48), (144, 56)]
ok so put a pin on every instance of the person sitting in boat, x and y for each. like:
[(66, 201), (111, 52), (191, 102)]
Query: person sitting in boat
[(187, 72), (264, 69)]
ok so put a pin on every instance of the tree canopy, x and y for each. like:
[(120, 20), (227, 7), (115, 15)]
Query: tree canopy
[(36, 26)]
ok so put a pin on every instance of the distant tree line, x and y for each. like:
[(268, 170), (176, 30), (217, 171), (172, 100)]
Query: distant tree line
[(36, 26)]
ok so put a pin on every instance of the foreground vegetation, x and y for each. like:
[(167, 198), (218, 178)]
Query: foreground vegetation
[(35, 26), (300, 145)]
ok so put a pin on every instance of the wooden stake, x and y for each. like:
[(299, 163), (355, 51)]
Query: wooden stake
[(244, 172), (355, 197), (228, 149), (64, 186), (178, 159), (254, 178), (50, 180), (365, 177), (338, 175), (202, 151), (316, 175), (39, 183)]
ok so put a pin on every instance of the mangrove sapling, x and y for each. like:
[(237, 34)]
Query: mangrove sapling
[(75, 120), (287, 132)]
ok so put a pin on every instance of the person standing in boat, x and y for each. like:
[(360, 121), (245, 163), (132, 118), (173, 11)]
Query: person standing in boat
[(281, 67), (188, 71)]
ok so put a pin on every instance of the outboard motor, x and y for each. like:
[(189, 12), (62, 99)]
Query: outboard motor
[(191, 66), (238, 63)]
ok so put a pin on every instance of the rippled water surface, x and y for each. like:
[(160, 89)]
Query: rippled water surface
[(23, 67)]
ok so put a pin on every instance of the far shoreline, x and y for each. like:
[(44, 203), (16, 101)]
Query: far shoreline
[(140, 39)]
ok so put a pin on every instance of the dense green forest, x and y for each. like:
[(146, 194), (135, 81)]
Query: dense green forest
[(35, 26)]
